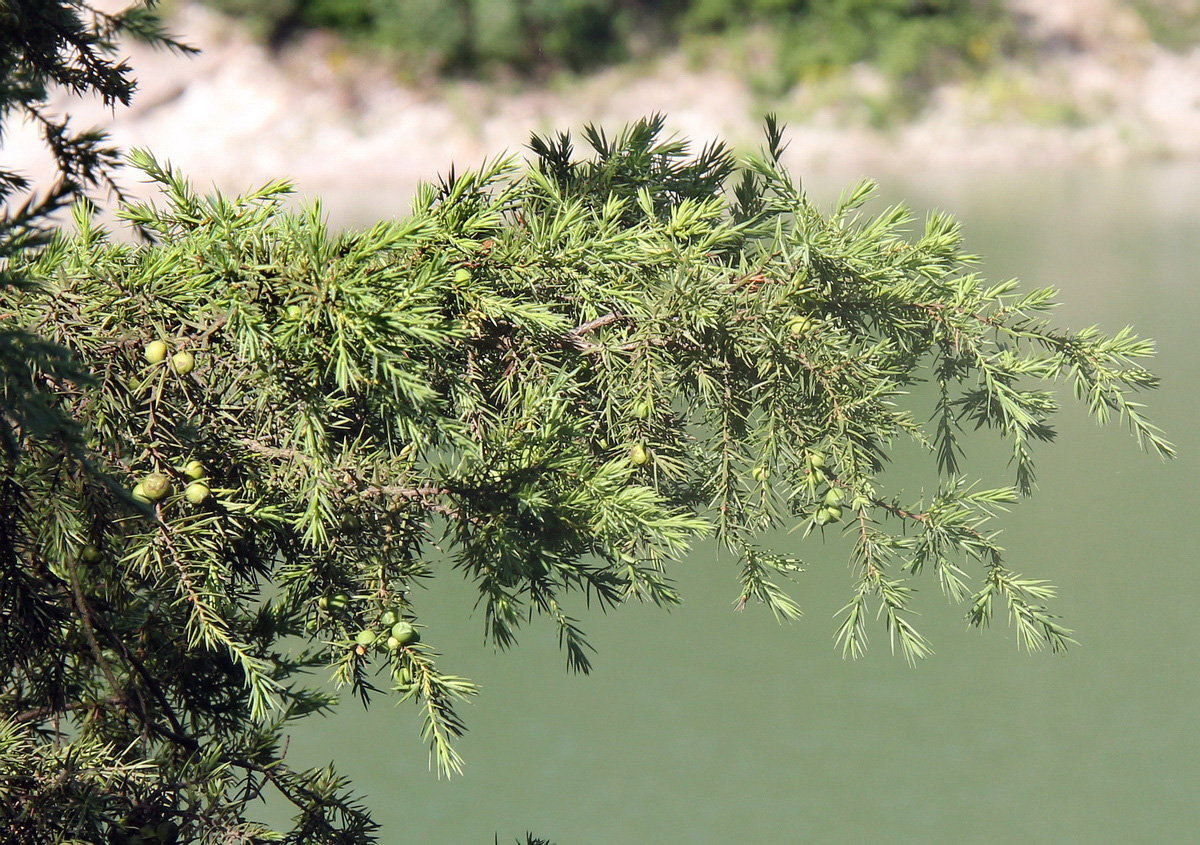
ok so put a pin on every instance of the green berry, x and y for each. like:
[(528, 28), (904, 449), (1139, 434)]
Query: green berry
[(90, 554), (323, 602), (388, 618), (139, 493), (405, 632), (155, 486), (393, 644), (156, 351), (183, 362), (196, 492), (194, 470), (835, 496), (365, 637), (830, 513), (295, 312), (339, 601), (761, 473), (638, 454), (816, 460)]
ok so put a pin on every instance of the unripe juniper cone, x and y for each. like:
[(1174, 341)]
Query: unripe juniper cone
[(156, 486), (183, 362), (405, 632), (156, 351)]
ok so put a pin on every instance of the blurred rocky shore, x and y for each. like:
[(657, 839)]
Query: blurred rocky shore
[(1094, 88)]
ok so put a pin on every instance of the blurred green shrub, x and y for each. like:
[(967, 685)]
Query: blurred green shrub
[(1175, 24), (457, 35), (461, 35), (905, 38)]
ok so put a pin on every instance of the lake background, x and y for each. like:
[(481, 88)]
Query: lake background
[(703, 725)]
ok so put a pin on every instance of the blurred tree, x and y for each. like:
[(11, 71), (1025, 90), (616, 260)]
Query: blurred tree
[(233, 451)]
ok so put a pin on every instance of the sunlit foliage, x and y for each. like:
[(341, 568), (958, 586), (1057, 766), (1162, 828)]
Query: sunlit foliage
[(234, 447), (553, 380)]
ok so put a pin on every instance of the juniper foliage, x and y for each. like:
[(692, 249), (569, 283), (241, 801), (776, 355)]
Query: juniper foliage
[(555, 379), (44, 45)]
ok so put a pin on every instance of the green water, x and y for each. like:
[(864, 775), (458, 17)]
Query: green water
[(706, 726)]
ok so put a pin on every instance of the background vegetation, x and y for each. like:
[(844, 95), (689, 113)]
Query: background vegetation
[(1172, 23), (905, 38)]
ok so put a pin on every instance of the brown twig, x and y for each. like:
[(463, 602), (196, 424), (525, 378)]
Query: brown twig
[(42, 712), (575, 337)]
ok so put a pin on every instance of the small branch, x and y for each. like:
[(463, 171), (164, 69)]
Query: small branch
[(151, 682), (42, 712), (865, 545), (274, 451), (592, 325), (575, 337), (201, 340), (823, 377), (85, 616), (900, 512), (421, 494), (413, 494)]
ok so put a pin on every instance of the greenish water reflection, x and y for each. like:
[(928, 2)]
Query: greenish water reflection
[(708, 726)]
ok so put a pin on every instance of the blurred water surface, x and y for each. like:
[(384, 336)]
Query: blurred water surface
[(703, 725)]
